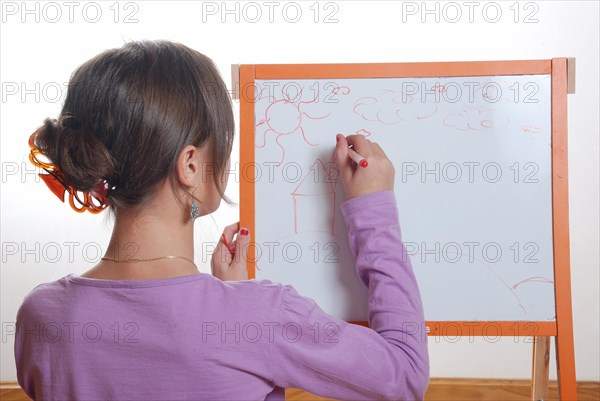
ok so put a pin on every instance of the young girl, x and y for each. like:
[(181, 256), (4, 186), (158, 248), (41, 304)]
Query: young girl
[(147, 130)]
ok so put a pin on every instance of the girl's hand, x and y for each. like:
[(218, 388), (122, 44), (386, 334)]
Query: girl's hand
[(228, 261), (377, 176)]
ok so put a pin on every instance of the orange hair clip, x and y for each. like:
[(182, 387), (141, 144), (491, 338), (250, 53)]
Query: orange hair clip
[(94, 201)]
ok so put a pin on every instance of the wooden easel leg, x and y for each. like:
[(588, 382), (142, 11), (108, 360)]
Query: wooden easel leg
[(541, 368), (565, 352), (565, 366)]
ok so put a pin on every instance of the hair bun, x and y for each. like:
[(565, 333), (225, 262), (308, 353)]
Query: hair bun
[(71, 122), (77, 152)]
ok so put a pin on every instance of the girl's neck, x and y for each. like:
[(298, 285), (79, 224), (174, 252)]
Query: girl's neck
[(152, 232)]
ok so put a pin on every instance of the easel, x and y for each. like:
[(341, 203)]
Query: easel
[(565, 359), (562, 71), (563, 83)]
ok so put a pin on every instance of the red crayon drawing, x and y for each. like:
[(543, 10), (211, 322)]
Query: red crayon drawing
[(364, 132), (475, 119), (316, 190), (531, 129), (393, 107), (340, 90), (439, 88), (511, 289), (535, 279), (284, 117)]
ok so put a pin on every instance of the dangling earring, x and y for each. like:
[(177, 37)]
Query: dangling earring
[(195, 211)]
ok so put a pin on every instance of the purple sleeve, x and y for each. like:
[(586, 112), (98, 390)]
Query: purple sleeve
[(332, 358)]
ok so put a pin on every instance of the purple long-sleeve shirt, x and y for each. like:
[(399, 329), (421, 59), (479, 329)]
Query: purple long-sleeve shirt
[(198, 338)]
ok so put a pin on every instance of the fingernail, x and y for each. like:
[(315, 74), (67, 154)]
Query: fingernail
[(337, 138), (244, 232)]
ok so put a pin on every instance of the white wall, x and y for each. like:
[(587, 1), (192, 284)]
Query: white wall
[(43, 240)]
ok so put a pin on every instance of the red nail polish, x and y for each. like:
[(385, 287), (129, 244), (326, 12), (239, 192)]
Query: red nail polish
[(244, 232)]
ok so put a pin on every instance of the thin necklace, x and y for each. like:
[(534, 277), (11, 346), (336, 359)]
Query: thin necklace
[(149, 260)]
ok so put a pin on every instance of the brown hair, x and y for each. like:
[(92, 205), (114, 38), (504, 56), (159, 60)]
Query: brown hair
[(128, 114)]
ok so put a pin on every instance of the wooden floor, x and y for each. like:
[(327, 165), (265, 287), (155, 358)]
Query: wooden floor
[(439, 390), (476, 390)]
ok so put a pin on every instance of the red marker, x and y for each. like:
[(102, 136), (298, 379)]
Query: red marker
[(231, 251), (358, 159)]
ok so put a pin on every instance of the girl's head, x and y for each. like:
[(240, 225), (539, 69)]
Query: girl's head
[(140, 116)]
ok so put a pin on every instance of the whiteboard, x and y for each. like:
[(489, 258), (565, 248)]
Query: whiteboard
[(473, 188)]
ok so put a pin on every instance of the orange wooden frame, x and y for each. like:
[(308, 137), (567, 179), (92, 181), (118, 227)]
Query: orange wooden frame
[(562, 327)]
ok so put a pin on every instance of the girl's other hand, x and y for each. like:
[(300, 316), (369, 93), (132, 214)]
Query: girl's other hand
[(228, 261)]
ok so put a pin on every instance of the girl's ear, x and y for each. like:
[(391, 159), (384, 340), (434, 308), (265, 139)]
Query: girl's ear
[(189, 166)]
